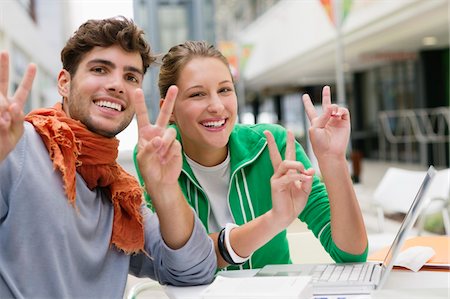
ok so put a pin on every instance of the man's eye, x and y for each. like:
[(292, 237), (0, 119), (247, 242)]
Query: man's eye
[(99, 70), (132, 79)]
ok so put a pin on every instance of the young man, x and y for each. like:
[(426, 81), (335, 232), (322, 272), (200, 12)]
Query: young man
[(72, 222)]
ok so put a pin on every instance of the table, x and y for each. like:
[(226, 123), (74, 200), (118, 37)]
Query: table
[(400, 284)]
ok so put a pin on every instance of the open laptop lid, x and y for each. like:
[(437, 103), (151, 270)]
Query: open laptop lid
[(405, 227)]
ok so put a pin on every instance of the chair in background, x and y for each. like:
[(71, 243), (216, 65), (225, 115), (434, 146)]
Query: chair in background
[(144, 288), (438, 200), (398, 187), (395, 192)]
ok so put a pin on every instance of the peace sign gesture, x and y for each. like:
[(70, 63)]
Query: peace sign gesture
[(159, 153), (329, 132), (11, 108), (290, 183)]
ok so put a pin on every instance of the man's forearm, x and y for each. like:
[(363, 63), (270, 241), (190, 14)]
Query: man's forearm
[(176, 217)]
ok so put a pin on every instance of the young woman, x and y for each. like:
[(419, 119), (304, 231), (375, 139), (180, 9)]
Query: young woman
[(247, 183)]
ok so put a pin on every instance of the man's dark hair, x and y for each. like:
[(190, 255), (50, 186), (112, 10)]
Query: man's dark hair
[(105, 33)]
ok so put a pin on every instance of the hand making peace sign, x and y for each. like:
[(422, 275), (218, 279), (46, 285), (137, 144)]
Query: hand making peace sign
[(329, 132), (290, 183), (11, 108), (159, 153)]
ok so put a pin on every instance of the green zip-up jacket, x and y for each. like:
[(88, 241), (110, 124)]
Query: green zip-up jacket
[(249, 194)]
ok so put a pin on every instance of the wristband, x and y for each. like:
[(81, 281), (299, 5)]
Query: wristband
[(222, 250), (237, 260)]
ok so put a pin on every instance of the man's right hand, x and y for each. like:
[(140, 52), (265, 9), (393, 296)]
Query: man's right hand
[(11, 108), (159, 152)]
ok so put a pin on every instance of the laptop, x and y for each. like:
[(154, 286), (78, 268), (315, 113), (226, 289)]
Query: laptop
[(355, 278)]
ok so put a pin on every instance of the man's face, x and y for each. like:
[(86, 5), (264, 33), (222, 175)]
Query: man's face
[(100, 93)]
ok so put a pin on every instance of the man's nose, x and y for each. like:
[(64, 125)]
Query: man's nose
[(116, 83)]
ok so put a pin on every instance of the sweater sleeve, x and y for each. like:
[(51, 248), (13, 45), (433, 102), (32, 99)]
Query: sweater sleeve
[(11, 170), (193, 264)]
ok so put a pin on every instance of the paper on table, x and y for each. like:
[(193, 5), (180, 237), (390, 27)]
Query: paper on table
[(280, 287), (440, 244), (415, 257)]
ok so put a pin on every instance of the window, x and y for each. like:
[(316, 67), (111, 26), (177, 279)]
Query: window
[(173, 23)]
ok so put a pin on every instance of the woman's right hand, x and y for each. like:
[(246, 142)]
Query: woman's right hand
[(290, 187), (291, 182), (11, 108)]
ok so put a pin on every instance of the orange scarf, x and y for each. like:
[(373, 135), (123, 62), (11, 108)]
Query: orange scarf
[(73, 148)]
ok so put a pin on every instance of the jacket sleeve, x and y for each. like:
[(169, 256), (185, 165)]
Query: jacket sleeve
[(193, 264), (316, 213), (317, 216)]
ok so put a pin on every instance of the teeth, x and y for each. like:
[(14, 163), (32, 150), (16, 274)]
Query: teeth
[(111, 105), (214, 124)]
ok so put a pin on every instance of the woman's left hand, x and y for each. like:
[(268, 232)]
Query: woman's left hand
[(329, 132)]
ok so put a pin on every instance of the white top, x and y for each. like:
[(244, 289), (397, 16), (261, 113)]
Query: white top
[(215, 181)]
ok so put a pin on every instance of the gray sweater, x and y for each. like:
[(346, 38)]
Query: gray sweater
[(48, 249)]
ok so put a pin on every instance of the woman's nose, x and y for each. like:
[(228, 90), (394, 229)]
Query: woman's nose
[(215, 104)]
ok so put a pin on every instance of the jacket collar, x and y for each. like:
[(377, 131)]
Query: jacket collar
[(242, 150)]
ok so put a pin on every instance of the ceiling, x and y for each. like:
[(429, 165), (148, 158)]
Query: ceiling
[(393, 36)]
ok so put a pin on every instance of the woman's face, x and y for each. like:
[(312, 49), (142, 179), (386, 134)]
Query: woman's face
[(205, 110)]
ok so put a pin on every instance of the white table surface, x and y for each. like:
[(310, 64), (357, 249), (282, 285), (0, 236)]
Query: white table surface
[(400, 284)]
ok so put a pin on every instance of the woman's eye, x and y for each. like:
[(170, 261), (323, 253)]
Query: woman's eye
[(225, 90), (194, 95)]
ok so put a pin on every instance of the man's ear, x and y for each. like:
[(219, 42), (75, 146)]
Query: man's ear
[(172, 118), (64, 83)]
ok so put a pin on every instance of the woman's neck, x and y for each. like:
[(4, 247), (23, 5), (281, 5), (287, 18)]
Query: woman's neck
[(207, 157)]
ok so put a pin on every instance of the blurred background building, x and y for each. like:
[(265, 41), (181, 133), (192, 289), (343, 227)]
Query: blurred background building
[(34, 31), (395, 64), (394, 61)]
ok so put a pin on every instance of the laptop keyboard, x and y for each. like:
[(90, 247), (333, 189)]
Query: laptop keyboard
[(350, 272)]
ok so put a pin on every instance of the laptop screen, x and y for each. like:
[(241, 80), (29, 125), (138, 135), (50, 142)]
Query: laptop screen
[(408, 222)]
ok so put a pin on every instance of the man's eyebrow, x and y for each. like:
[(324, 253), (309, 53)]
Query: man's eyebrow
[(133, 69), (102, 61), (113, 65)]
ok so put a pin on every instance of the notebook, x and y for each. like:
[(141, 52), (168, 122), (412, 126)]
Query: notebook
[(355, 278), (440, 245)]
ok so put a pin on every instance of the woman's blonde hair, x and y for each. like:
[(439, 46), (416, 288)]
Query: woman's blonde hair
[(178, 56)]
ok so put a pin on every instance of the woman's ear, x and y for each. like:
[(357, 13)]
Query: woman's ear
[(64, 83), (172, 117)]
